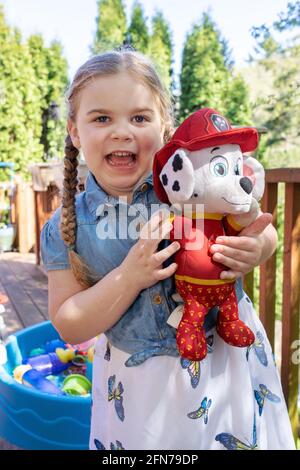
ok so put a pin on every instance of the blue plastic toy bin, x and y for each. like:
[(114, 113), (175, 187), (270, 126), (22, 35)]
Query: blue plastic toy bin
[(31, 419)]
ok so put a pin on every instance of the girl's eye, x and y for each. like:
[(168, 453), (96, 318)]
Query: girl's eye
[(139, 118), (102, 119)]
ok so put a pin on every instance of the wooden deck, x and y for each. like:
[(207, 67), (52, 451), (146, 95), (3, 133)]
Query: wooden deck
[(25, 284)]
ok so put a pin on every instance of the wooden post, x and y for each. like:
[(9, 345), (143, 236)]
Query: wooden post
[(24, 217), (291, 301), (46, 202), (248, 284), (37, 210), (267, 285)]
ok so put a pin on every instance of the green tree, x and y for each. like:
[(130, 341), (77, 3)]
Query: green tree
[(237, 102), (161, 48), (207, 78), (278, 108), (111, 25), (19, 101), (54, 115), (50, 69), (289, 19), (204, 73), (138, 31), (32, 79)]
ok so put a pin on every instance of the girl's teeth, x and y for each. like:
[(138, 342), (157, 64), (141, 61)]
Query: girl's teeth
[(122, 154), (121, 159)]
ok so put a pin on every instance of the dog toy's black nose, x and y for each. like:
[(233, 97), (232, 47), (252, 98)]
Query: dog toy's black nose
[(246, 184)]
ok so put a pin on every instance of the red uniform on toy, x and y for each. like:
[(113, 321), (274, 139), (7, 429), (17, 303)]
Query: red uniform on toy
[(203, 172)]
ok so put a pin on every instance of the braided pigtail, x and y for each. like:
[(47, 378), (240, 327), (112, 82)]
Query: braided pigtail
[(82, 272)]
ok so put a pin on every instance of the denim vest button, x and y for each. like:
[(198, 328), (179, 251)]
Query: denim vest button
[(157, 299), (144, 187)]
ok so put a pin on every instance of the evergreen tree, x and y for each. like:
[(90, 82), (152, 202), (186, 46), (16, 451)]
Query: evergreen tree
[(138, 31), (19, 101), (54, 115), (237, 102), (278, 108), (111, 25), (50, 69), (161, 49), (289, 19), (207, 77), (32, 78), (204, 74)]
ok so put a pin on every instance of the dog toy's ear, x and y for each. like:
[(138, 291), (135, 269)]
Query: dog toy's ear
[(255, 171), (177, 177)]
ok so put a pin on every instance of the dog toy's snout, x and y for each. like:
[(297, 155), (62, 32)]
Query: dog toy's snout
[(246, 184)]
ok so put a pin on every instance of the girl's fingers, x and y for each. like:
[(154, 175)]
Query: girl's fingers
[(231, 263), (164, 273), (240, 243), (244, 240), (162, 256), (155, 227), (238, 255), (157, 219), (258, 226), (230, 274), (150, 225), (153, 239), (162, 231)]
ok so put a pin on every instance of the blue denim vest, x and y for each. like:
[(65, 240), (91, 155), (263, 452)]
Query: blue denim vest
[(142, 331)]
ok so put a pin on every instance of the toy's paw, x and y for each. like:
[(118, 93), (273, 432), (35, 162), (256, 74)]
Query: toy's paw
[(177, 298), (235, 333), (175, 316), (247, 218), (191, 342)]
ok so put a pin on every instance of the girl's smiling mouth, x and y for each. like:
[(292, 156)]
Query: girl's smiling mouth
[(121, 159)]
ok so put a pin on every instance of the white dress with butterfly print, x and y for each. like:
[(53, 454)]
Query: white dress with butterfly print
[(231, 400)]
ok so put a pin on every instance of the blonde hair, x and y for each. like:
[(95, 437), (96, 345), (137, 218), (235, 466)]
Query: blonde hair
[(109, 63)]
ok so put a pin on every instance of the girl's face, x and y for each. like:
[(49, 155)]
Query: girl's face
[(118, 127)]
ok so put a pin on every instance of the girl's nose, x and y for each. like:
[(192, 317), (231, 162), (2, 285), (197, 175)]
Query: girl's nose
[(121, 132)]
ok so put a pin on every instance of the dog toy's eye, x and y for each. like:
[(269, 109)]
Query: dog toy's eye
[(218, 166), (238, 167), (220, 169)]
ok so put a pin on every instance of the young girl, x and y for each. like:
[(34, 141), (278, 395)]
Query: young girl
[(103, 279)]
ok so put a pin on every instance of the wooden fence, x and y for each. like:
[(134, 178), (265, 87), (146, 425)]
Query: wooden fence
[(290, 351), (47, 201)]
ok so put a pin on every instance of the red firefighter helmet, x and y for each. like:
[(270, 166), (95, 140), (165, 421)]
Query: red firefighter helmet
[(204, 128)]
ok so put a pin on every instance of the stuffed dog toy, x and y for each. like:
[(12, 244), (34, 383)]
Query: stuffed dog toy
[(204, 166)]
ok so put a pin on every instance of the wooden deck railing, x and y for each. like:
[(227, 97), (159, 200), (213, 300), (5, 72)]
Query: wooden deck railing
[(290, 288), (46, 203)]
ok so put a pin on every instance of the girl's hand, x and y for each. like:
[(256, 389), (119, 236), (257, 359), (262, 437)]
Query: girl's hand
[(143, 264), (242, 253)]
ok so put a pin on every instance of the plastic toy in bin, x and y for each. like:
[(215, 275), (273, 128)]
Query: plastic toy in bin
[(76, 384), (53, 362), (50, 346), (34, 369), (33, 378), (31, 418)]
